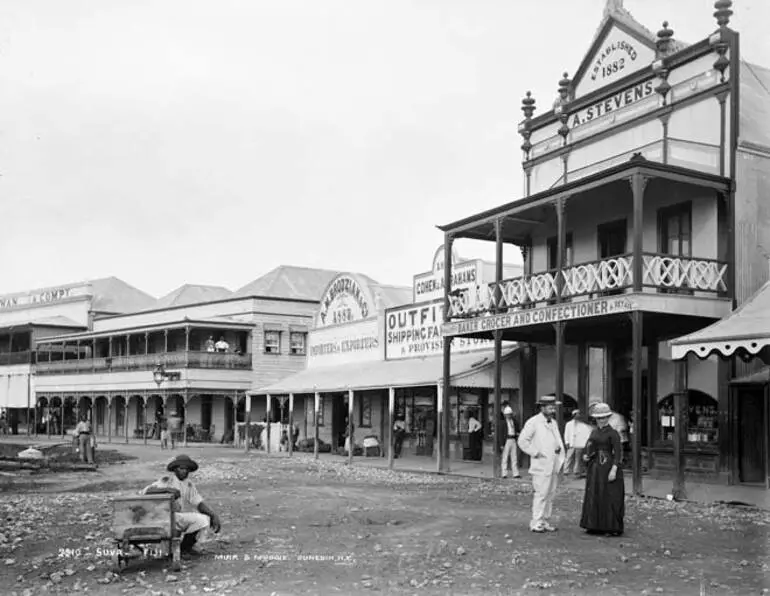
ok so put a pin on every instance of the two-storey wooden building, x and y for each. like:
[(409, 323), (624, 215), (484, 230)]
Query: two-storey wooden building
[(196, 351), (642, 219)]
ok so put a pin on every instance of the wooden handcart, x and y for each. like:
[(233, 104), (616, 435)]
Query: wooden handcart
[(142, 520)]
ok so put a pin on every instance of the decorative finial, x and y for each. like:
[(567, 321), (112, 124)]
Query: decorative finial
[(528, 105), (564, 88), (663, 42), (723, 12), (613, 6)]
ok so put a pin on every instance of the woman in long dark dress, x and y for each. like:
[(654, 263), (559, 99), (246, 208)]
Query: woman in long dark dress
[(604, 501)]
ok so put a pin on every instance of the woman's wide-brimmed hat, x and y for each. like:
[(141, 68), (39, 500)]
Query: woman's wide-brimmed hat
[(182, 460), (548, 400), (601, 410)]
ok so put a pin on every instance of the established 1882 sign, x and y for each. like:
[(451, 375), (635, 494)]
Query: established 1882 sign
[(344, 301)]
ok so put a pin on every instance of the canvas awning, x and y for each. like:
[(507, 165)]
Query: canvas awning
[(745, 332), (474, 369)]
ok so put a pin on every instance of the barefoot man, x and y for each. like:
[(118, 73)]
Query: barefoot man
[(195, 516)]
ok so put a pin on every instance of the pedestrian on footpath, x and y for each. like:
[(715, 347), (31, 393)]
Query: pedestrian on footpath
[(174, 427), (510, 450), (576, 433), (604, 499), (541, 440)]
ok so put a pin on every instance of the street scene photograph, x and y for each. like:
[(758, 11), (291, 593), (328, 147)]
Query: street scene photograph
[(365, 297)]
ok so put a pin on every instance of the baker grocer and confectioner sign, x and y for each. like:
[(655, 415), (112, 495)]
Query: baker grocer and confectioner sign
[(345, 301), (537, 316), (414, 331), (40, 297), (620, 100)]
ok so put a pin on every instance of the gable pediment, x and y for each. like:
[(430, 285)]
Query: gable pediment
[(617, 52)]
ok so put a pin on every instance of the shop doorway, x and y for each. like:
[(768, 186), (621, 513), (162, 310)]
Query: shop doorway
[(751, 439), (339, 421)]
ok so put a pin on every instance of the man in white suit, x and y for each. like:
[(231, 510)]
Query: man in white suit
[(541, 440)]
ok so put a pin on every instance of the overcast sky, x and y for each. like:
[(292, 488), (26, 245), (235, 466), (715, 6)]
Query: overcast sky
[(188, 141)]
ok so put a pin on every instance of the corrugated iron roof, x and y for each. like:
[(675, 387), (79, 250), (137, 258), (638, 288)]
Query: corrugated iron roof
[(113, 295), (391, 296), (755, 104), (192, 294), (287, 281)]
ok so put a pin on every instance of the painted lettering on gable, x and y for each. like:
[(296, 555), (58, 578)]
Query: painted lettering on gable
[(613, 59)]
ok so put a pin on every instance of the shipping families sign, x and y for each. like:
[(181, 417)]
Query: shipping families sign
[(538, 316), (347, 299), (414, 331)]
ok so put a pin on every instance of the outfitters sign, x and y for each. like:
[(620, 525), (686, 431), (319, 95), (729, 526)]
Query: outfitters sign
[(414, 331)]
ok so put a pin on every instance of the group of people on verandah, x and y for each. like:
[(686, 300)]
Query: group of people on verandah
[(601, 452)]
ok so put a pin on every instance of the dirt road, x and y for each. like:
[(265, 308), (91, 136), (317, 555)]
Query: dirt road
[(302, 527)]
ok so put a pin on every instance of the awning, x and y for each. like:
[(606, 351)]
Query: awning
[(474, 369), (745, 332)]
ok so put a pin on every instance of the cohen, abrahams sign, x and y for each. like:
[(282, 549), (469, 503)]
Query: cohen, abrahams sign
[(537, 316), (344, 302), (414, 331), (620, 100), (429, 286)]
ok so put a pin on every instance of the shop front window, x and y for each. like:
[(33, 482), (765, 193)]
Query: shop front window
[(365, 411), (702, 421)]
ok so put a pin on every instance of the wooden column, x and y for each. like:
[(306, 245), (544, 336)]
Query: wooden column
[(61, 415), (187, 345), (109, 347), (498, 336), (235, 420), (126, 401), (247, 421), (128, 345), (48, 418), (652, 392), (391, 422), (561, 246), (93, 355), (351, 395), (146, 343), (144, 422), (109, 419), (443, 406), (637, 333), (290, 434), (638, 184), (680, 427), (440, 461), (185, 420), (269, 416), (316, 416)]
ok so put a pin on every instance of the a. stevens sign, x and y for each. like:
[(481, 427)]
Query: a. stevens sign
[(537, 316), (616, 102), (414, 331)]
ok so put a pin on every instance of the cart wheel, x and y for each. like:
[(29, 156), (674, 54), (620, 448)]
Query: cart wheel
[(117, 563), (176, 555)]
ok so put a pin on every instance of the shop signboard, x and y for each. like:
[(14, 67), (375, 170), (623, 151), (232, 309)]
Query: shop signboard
[(539, 316), (344, 344), (414, 331), (44, 296), (430, 285), (347, 299)]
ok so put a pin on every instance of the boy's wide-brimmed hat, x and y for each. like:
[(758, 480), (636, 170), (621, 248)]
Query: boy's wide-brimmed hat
[(548, 400), (601, 410), (507, 410), (182, 460)]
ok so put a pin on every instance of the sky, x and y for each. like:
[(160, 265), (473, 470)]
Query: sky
[(167, 142)]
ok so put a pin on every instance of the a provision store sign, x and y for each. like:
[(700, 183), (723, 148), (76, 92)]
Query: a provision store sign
[(414, 331), (538, 316)]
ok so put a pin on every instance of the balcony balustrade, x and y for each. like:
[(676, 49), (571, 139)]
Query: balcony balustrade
[(171, 360), (23, 357), (663, 273)]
